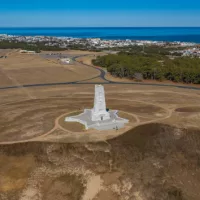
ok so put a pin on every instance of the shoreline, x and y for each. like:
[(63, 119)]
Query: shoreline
[(133, 42), (171, 34)]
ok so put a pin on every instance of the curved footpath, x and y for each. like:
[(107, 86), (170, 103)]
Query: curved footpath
[(101, 75)]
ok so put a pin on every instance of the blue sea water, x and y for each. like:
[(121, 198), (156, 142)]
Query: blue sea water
[(184, 34)]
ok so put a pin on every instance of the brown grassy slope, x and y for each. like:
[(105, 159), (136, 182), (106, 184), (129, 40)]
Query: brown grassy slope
[(158, 161)]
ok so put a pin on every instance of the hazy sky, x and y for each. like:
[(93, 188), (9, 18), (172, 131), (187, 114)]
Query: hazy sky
[(99, 13)]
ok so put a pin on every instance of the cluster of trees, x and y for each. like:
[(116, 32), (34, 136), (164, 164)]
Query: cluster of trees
[(37, 47), (149, 49), (152, 66)]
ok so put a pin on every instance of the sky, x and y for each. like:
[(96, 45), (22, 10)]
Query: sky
[(104, 13)]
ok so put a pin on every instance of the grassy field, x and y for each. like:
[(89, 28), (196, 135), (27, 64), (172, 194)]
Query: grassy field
[(154, 157), (31, 69)]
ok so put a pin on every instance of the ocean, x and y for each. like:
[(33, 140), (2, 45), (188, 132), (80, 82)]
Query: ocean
[(183, 34)]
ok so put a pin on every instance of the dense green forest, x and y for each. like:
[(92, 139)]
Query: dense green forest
[(148, 49), (151, 66)]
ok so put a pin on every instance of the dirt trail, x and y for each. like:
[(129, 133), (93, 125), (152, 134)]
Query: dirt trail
[(57, 126)]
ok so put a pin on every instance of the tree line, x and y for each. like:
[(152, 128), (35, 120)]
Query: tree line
[(37, 47), (40, 46), (151, 66)]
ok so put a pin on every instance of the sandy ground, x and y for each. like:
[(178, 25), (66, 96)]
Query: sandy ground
[(156, 156)]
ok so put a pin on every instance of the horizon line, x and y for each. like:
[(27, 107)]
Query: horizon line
[(100, 27)]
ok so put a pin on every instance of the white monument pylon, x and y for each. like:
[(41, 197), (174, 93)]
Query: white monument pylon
[(98, 117), (99, 112)]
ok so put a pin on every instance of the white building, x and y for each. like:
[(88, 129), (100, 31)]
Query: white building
[(98, 117), (27, 52), (65, 60)]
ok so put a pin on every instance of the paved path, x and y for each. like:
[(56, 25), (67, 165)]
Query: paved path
[(101, 75)]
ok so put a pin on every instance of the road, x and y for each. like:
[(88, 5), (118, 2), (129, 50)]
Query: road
[(101, 75), (102, 72)]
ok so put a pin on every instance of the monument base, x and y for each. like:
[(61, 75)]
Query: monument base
[(100, 116), (114, 122)]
